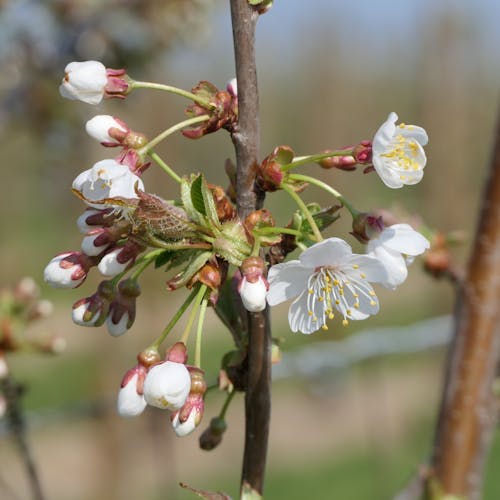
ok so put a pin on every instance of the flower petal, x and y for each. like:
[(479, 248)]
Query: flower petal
[(401, 238), (394, 264), (329, 252), (299, 318), (286, 281)]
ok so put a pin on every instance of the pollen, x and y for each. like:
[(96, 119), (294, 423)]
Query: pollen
[(331, 315), (324, 327), (345, 322), (355, 266), (310, 313), (363, 275), (373, 303)]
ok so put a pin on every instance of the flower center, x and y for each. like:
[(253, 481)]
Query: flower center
[(403, 152), (332, 288)]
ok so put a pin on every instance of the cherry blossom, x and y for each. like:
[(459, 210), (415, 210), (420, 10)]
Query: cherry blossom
[(326, 277)]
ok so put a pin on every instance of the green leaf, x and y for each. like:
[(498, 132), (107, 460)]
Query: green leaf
[(196, 261), (197, 195), (209, 203), (163, 258), (188, 202)]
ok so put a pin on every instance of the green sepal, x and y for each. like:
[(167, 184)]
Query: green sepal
[(196, 261), (231, 243), (187, 201)]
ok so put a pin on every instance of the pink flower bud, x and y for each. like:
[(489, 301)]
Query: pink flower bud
[(189, 416), (93, 217), (232, 87), (131, 400), (67, 270), (93, 310), (119, 258), (167, 385), (131, 159), (121, 314), (366, 226), (363, 152), (108, 130), (97, 240)]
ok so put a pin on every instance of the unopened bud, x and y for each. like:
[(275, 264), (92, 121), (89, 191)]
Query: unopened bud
[(148, 357), (366, 226), (342, 162), (212, 436)]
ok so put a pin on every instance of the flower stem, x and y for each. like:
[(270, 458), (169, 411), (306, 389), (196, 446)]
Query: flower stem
[(140, 265), (227, 402), (157, 343), (302, 160), (305, 211), (174, 128), (199, 331), (172, 90), (196, 304), (164, 166), (278, 230), (326, 187)]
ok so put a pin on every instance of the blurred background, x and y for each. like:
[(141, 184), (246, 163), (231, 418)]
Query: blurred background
[(353, 409)]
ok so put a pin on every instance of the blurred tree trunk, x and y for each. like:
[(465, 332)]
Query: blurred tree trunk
[(468, 408)]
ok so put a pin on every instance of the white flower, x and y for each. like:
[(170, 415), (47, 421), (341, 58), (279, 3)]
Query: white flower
[(167, 385), (395, 247), (327, 277), (253, 295), (398, 155), (66, 270), (84, 81), (130, 403), (106, 179), (99, 128), (182, 429)]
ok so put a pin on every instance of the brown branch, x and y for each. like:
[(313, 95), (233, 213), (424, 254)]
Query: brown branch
[(246, 143), (13, 393), (468, 407)]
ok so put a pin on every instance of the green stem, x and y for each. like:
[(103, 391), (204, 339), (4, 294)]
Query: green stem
[(199, 331), (172, 90), (196, 304), (302, 160), (156, 344), (164, 166), (305, 211), (226, 404), (278, 230), (174, 128), (326, 187)]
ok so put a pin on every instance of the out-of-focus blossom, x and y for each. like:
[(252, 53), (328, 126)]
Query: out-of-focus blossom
[(396, 247)]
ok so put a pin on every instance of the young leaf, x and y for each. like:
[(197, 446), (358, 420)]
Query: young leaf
[(197, 195)]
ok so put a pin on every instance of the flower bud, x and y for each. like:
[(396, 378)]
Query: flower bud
[(93, 310), (343, 162), (270, 171), (39, 310), (67, 270), (117, 83), (131, 400), (26, 290), (225, 209), (167, 385), (119, 259), (108, 130), (97, 240), (189, 416), (84, 81), (212, 436), (121, 314), (93, 217), (366, 226), (253, 286), (232, 87)]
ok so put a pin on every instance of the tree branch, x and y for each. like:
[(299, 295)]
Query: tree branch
[(249, 198), (468, 407)]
